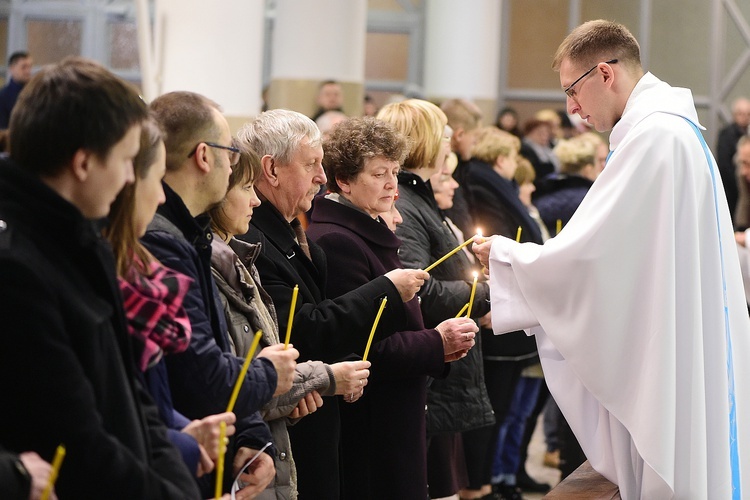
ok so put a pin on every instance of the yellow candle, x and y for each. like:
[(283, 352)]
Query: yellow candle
[(439, 261), (383, 301), (243, 371), (463, 310), (559, 226), (56, 464), (471, 297), (291, 316), (518, 234), (220, 460)]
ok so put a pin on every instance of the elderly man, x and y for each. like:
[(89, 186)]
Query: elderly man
[(291, 155), (67, 371), (200, 156), (637, 305), (19, 73)]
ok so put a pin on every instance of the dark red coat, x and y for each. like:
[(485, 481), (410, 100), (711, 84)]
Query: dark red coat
[(383, 434)]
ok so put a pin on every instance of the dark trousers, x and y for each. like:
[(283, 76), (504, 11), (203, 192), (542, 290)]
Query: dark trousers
[(500, 378)]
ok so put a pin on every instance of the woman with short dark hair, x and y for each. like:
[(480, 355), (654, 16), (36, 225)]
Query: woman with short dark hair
[(383, 435)]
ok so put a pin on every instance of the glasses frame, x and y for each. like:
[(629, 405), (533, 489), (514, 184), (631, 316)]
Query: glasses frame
[(234, 159), (569, 89)]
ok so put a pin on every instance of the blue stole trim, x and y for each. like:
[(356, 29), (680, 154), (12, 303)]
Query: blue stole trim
[(734, 457)]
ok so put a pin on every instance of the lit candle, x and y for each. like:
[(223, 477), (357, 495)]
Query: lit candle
[(220, 460), (463, 310), (518, 234), (559, 226), (56, 464), (243, 371), (458, 248), (383, 301), (473, 291), (291, 316)]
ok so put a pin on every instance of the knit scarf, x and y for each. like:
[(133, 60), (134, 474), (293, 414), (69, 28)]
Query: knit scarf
[(153, 306)]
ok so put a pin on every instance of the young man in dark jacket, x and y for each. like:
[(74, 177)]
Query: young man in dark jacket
[(66, 365)]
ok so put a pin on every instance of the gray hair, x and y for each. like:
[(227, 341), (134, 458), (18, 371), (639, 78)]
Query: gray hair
[(279, 133)]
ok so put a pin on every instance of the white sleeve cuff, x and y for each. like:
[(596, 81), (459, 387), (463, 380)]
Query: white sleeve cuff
[(510, 311)]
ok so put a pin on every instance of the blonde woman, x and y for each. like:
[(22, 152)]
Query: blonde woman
[(559, 195), (458, 403)]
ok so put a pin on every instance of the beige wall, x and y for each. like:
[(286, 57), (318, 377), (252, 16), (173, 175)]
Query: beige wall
[(679, 39)]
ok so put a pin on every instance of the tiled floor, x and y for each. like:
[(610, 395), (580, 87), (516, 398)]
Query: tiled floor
[(534, 465)]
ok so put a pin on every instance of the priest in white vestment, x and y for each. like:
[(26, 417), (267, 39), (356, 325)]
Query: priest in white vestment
[(637, 305)]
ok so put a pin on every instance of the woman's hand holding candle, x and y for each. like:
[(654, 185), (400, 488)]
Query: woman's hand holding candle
[(458, 337), (407, 281)]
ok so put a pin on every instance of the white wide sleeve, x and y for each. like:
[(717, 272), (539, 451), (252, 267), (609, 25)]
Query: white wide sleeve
[(510, 310)]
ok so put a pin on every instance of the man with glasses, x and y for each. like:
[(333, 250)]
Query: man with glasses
[(200, 156), (637, 305)]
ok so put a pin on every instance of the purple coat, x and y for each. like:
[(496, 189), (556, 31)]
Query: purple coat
[(383, 434)]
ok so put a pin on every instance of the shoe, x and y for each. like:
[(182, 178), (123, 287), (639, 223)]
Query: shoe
[(528, 483), (552, 459), (509, 492), (492, 496)]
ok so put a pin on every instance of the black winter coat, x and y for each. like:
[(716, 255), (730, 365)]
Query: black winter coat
[(67, 370), (459, 402)]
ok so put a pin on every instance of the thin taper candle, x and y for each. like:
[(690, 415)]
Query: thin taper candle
[(220, 460), (291, 316), (56, 464), (473, 292), (463, 310), (441, 259), (383, 302), (559, 226), (243, 371), (518, 234)]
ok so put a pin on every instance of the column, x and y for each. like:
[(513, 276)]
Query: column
[(314, 42), (212, 48), (462, 52)]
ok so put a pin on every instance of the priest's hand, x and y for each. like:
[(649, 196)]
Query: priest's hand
[(284, 361), (458, 337), (407, 281), (481, 249)]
